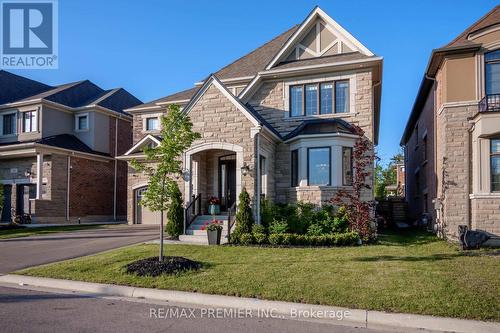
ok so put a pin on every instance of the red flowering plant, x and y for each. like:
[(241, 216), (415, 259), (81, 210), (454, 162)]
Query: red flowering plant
[(215, 225), (359, 212), (214, 201)]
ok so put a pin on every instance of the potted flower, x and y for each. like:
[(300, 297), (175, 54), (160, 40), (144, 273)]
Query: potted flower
[(214, 232), (214, 206)]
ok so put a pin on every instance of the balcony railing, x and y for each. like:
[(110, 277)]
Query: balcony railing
[(490, 103)]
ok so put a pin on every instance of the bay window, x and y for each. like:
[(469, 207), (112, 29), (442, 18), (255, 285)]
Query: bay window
[(30, 121), (347, 169), (295, 168), (319, 98), (495, 164), (318, 166)]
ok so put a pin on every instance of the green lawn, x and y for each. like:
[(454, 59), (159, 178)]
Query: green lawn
[(24, 232), (409, 273)]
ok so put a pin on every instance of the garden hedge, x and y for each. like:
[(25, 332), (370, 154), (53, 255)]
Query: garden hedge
[(287, 239)]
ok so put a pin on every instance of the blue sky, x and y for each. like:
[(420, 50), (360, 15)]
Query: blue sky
[(154, 48)]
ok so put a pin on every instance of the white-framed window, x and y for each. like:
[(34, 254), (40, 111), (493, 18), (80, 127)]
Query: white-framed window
[(319, 98), (263, 175), (495, 164), (152, 123), (30, 121), (9, 121), (82, 122)]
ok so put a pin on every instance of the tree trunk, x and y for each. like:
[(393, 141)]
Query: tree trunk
[(161, 236)]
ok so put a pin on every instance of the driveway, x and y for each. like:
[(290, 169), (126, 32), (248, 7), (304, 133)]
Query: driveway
[(17, 253)]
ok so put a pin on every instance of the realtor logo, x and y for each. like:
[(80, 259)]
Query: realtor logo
[(29, 34)]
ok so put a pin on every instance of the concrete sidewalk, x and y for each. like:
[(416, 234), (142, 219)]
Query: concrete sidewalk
[(287, 310)]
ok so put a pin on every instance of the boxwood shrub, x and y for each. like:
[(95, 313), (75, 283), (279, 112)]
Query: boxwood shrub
[(288, 239)]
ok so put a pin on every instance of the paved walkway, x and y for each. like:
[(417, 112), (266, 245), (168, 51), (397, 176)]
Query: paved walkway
[(18, 253)]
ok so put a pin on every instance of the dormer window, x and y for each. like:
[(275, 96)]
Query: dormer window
[(82, 122), (152, 124), (30, 121)]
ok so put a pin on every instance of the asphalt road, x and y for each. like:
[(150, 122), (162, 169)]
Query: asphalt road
[(18, 253), (25, 310)]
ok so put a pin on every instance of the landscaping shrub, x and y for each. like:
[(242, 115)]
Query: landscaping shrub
[(315, 230), (244, 217), (175, 214), (258, 229), (260, 238), (286, 239), (278, 227), (245, 239)]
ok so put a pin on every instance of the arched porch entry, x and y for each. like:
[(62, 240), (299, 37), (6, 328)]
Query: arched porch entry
[(214, 169)]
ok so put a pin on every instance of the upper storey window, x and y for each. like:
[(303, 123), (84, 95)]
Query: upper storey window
[(152, 124), (9, 124), (492, 71), (319, 98), (30, 121)]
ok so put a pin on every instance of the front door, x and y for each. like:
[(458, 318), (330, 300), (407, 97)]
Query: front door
[(25, 192), (227, 181)]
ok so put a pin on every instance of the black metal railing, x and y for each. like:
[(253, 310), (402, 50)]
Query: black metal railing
[(490, 103), (192, 210), (231, 218)]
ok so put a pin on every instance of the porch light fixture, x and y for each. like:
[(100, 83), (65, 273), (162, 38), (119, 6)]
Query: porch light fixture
[(245, 169), (27, 173), (186, 175)]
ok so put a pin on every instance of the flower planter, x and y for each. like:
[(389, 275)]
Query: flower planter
[(214, 209), (214, 236)]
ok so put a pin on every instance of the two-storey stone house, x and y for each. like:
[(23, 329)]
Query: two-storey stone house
[(276, 122), (452, 138), (57, 150)]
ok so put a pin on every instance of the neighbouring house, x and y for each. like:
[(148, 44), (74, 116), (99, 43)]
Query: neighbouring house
[(57, 150), (277, 121), (398, 189), (452, 138)]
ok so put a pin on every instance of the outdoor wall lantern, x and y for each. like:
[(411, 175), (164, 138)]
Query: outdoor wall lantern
[(245, 169), (186, 175), (27, 173)]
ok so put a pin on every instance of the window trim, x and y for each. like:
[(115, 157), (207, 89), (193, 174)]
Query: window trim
[(77, 122), (329, 165), (493, 154), (23, 121), (351, 166), (146, 124), (348, 102), (14, 132), (318, 84)]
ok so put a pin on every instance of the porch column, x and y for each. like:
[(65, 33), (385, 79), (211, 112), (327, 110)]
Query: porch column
[(39, 175)]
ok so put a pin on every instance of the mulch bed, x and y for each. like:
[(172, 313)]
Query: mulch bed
[(170, 265)]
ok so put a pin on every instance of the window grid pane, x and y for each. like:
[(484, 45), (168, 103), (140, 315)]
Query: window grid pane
[(347, 166), (495, 173), (82, 123), (493, 78), (9, 124), (311, 99), (318, 166), (29, 121), (151, 124), (326, 98), (341, 96), (296, 99), (294, 168)]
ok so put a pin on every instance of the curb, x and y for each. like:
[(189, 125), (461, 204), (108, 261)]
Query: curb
[(351, 317)]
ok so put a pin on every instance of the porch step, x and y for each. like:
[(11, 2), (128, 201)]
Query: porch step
[(199, 239)]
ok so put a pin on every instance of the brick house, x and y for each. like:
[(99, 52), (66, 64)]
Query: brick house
[(452, 138), (57, 150), (277, 121)]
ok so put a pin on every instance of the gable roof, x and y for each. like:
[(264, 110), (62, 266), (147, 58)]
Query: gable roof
[(460, 44), (257, 60), (17, 89), (181, 97), (142, 142), (491, 18), (14, 87), (317, 13)]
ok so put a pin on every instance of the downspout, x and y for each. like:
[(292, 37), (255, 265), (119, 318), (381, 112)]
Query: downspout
[(468, 157), (257, 178), (434, 149), (116, 168), (68, 183)]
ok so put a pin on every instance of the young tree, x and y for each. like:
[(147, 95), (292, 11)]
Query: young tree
[(359, 211), (163, 164)]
